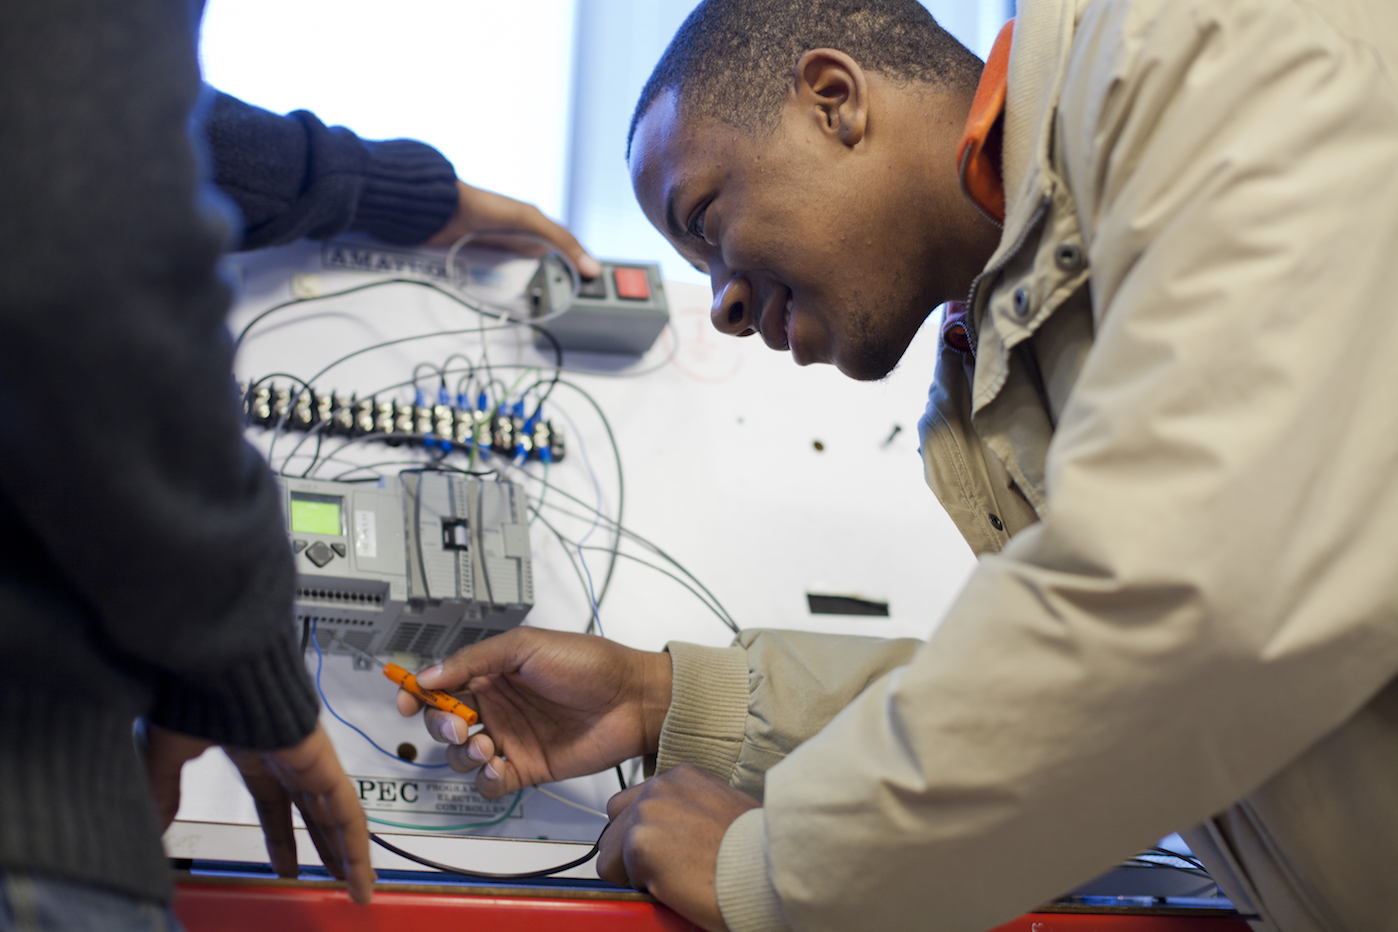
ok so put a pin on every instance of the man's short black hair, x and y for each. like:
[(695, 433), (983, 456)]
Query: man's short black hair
[(735, 59)]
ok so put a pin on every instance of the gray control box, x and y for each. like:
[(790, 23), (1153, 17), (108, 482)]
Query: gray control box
[(622, 310), (424, 563)]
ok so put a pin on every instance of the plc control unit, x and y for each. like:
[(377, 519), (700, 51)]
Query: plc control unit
[(423, 563)]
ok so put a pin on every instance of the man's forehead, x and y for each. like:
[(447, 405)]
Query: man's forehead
[(660, 140)]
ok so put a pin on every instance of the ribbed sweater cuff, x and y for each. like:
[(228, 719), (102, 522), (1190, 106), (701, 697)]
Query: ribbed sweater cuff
[(708, 709), (409, 192), (746, 898), (263, 702)]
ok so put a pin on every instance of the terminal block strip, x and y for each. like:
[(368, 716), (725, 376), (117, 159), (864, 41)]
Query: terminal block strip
[(445, 425)]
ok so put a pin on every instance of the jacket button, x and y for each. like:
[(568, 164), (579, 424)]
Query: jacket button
[(1068, 257), (996, 523), (1021, 302)]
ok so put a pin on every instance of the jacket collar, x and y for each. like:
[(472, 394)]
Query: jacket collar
[(1037, 55), (978, 159)]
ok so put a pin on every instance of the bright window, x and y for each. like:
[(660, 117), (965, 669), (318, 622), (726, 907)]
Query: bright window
[(489, 84)]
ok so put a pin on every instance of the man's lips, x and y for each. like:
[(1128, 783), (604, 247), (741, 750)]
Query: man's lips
[(775, 323)]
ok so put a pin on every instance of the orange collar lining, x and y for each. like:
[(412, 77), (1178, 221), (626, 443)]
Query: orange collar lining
[(981, 180)]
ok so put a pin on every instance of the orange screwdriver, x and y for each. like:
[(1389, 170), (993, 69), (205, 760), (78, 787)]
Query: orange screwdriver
[(408, 683)]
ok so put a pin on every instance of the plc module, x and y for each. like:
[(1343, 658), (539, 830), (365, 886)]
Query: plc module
[(424, 563)]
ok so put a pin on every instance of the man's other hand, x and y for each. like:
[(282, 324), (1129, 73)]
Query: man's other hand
[(664, 838), (481, 211), (309, 774), (553, 705)]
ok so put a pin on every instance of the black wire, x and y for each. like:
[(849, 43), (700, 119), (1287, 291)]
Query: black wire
[(620, 491), (440, 467), (649, 545), (621, 778), (242, 334), (434, 368), (483, 875)]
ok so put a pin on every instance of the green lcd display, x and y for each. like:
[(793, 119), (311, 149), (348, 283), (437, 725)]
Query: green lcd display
[(316, 514)]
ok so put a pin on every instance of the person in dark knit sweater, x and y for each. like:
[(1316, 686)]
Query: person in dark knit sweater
[(144, 571)]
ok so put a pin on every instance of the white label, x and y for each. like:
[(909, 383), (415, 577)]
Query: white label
[(366, 534), (430, 797)]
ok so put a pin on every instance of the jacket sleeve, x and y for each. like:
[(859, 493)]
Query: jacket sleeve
[(123, 456), (292, 177), (1212, 589), (737, 711)]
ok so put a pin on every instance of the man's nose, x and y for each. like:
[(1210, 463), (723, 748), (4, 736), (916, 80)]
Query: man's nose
[(733, 312)]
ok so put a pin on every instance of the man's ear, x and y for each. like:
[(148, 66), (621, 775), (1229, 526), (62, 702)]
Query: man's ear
[(833, 89)]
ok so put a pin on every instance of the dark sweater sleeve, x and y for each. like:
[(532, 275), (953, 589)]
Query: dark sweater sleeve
[(293, 177), (123, 458)]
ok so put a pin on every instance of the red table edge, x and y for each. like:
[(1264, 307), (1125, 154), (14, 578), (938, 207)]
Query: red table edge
[(210, 903)]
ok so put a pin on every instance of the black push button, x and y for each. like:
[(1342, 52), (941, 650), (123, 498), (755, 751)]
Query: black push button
[(297, 546), (594, 288), (319, 553), (338, 548)]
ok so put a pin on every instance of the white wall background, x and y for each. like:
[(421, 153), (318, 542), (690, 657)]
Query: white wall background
[(531, 98)]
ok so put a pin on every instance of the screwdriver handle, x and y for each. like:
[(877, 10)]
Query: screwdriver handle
[(433, 697)]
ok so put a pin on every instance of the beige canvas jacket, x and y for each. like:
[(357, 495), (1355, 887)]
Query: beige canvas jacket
[(1177, 451)]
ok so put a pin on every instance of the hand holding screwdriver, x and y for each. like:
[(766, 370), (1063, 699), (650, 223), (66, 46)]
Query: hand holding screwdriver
[(408, 683)]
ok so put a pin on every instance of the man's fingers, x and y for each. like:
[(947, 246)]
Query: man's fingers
[(329, 802), (611, 849), (620, 801), (534, 221), (504, 653), (465, 758), (328, 851), (447, 727), (273, 805), (408, 704), (498, 777)]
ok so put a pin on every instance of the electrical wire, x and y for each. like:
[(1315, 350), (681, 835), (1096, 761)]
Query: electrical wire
[(484, 875), (620, 487), (320, 663), (568, 802), (642, 541)]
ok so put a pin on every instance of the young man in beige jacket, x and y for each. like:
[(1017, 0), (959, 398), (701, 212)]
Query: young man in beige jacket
[(1165, 416)]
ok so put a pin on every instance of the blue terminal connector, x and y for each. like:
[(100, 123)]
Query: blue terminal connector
[(546, 454), (444, 445), (482, 403), (518, 409), (419, 400), (443, 396), (461, 403)]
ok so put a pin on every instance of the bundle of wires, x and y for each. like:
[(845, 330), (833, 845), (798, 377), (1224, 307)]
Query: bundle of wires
[(482, 380)]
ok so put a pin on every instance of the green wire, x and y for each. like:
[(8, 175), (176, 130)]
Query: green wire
[(452, 828)]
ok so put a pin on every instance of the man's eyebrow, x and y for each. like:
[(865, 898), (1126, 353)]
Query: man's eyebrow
[(671, 222)]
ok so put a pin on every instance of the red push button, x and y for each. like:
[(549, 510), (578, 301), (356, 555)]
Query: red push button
[(632, 283)]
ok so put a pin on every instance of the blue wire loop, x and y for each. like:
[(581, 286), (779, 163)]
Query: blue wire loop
[(320, 663)]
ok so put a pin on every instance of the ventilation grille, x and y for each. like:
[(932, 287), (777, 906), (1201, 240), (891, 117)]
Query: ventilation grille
[(358, 639), (464, 637), (414, 637)]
